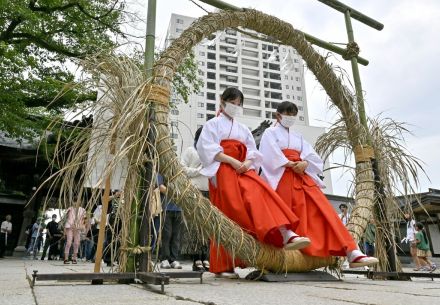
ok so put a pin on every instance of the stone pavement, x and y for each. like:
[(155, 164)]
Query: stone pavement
[(15, 289)]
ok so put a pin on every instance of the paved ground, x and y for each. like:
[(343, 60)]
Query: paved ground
[(15, 289)]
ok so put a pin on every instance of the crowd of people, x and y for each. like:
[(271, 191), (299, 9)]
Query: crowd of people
[(272, 192)]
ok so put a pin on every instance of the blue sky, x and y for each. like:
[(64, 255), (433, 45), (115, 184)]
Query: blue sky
[(401, 81)]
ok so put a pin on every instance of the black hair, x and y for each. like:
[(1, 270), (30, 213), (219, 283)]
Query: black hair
[(54, 215), (287, 107), (343, 205), (421, 227), (197, 135), (232, 93)]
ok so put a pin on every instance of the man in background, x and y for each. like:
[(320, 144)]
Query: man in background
[(6, 229)]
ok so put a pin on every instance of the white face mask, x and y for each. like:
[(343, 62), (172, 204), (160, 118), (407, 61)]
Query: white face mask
[(233, 110), (287, 120)]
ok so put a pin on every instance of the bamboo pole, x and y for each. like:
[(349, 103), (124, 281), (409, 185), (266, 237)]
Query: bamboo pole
[(356, 77), (312, 39), (341, 7), (140, 231)]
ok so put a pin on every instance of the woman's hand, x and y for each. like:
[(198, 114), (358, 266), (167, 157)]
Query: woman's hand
[(299, 167), (244, 167)]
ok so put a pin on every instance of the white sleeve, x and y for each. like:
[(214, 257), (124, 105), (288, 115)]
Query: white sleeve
[(252, 152), (208, 147), (273, 159), (186, 161), (315, 163)]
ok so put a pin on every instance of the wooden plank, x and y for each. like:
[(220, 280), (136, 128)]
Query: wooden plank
[(312, 276)]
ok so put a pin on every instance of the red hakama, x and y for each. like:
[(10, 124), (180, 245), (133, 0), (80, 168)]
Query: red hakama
[(250, 202), (318, 219)]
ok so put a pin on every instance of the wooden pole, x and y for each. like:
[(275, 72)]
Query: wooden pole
[(102, 224), (104, 202)]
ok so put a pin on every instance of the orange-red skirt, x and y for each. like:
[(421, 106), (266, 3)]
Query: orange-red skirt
[(250, 202), (318, 219)]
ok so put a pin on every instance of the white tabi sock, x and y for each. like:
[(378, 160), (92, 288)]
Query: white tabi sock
[(287, 234)]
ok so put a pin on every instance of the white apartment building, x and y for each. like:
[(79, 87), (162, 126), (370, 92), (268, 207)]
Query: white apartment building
[(266, 73)]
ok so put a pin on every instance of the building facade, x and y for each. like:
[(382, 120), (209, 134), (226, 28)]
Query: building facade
[(266, 73)]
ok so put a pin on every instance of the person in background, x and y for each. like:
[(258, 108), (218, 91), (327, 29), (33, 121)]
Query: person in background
[(370, 238), (423, 249), (53, 236), (344, 215), (35, 233), (172, 229), (410, 238), (192, 166), (5, 231), (75, 217)]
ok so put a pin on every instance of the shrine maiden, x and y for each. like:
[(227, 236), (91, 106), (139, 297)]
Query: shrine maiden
[(230, 159), (293, 168)]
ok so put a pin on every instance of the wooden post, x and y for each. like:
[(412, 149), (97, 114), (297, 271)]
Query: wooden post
[(102, 224), (104, 202)]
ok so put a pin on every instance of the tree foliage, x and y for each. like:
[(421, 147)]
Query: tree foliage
[(39, 42)]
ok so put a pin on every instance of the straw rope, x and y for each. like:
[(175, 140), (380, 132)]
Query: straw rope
[(199, 211), (363, 153)]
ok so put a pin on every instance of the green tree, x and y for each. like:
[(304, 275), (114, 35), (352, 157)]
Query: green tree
[(39, 42)]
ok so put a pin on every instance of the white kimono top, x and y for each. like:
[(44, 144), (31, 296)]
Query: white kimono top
[(221, 128), (277, 138), (192, 166)]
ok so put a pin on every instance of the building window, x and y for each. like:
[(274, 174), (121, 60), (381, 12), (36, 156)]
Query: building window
[(200, 104), (210, 96), (175, 111), (286, 77), (295, 60), (299, 98), (200, 115), (201, 93), (298, 88), (211, 56), (201, 63), (179, 30), (211, 65), (210, 107), (297, 79), (201, 73), (180, 21), (301, 118), (288, 96), (296, 70), (201, 53), (209, 116), (211, 75), (300, 108), (210, 86), (287, 86), (174, 124), (174, 135)]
